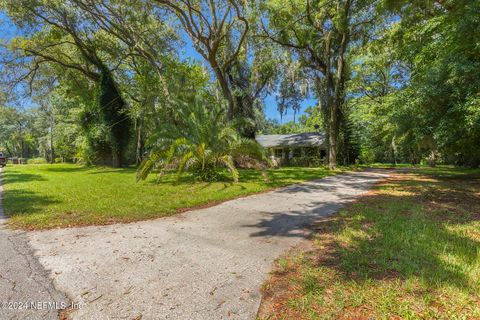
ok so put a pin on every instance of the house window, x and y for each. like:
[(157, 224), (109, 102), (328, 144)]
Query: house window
[(278, 153)]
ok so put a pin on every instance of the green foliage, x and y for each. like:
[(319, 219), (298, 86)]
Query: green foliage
[(36, 161), (311, 121), (395, 81), (114, 121), (200, 141), (415, 89), (56, 125), (274, 127), (322, 35), (349, 140), (18, 137), (291, 92)]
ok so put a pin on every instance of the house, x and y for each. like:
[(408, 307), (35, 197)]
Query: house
[(293, 148)]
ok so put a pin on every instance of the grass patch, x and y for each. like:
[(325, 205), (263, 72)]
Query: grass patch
[(64, 195), (410, 249)]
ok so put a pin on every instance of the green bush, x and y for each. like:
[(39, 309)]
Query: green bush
[(85, 154), (36, 161), (208, 173), (203, 142)]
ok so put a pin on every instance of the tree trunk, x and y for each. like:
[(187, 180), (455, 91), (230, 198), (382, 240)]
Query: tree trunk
[(109, 112), (114, 114), (140, 142), (226, 90), (394, 151), (239, 106), (332, 135), (116, 159), (52, 152), (432, 159), (244, 111)]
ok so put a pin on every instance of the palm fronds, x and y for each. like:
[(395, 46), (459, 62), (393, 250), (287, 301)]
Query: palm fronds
[(201, 142)]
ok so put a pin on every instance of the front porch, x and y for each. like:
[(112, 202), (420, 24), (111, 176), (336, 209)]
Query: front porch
[(298, 149), (302, 156)]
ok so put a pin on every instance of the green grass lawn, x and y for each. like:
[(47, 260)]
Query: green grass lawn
[(410, 249), (62, 195)]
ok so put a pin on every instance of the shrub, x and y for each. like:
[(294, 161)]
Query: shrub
[(36, 161), (200, 142)]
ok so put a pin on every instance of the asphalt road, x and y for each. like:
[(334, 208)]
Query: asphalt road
[(26, 291), (202, 264)]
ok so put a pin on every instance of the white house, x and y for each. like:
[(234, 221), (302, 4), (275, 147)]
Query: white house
[(285, 147)]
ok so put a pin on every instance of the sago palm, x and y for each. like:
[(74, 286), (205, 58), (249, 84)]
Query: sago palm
[(201, 142)]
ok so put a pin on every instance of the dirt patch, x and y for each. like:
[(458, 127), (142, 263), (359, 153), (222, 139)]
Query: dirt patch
[(278, 290)]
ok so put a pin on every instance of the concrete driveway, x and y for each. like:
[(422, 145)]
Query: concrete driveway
[(202, 264)]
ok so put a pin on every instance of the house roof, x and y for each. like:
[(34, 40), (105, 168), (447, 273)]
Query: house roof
[(306, 139)]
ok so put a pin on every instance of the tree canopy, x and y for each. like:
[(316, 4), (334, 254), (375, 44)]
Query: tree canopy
[(97, 80)]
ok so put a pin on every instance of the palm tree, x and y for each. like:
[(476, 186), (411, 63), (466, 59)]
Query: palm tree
[(201, 142)]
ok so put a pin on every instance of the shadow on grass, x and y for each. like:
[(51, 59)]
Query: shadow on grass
[(9, 177), (171, 179), (187, 178), (402, 244), (21, 202), (112, 170), (65, 169), (406, 231), (91, 169), (402, 232)]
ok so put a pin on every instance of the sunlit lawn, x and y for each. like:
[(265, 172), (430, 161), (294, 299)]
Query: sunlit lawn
[(48, 196), (408, 250)]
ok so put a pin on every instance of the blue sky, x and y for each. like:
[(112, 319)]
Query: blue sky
[(7, 28), (272, 113), (7, 31)]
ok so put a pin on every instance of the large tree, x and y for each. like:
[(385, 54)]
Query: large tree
[(17, 136), (142, 31), (320, 34), (415, 89), (219, 31), (56, 35), (439, 39)]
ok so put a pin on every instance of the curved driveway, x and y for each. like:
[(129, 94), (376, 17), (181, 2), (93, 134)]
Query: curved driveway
[(202, 264)]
